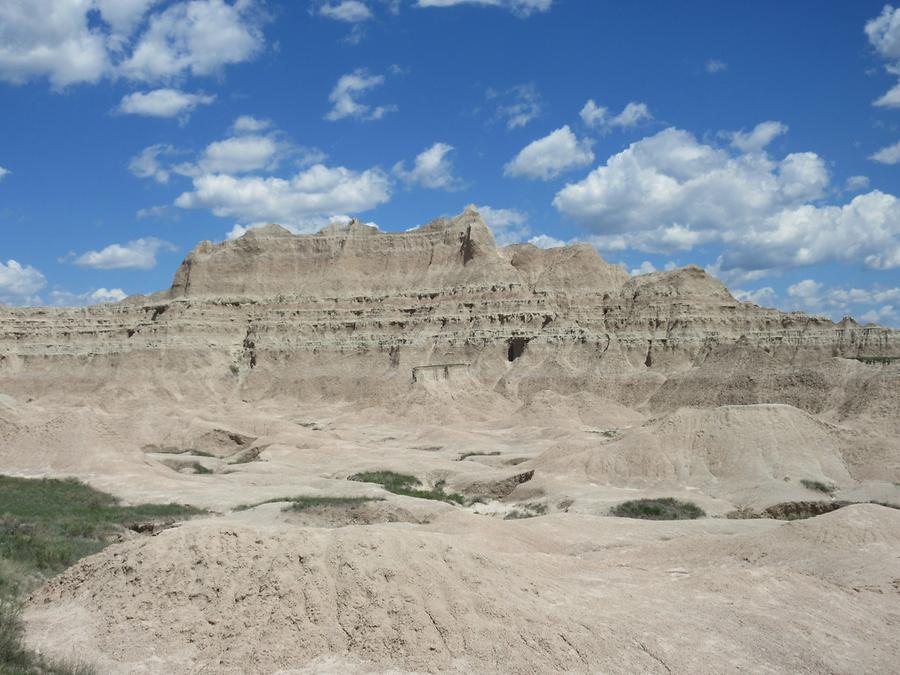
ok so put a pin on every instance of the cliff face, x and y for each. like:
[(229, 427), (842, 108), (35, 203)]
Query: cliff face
[(351, 312)]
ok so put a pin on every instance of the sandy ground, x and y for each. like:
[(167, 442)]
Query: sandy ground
[(410, 585)]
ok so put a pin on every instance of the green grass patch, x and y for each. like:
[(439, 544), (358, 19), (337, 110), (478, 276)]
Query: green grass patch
[(531, 510), (817, 486), (47, 525), (304, 502), (409, 486), (664, 508)]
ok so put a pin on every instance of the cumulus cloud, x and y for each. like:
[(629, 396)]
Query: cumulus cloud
[(318, 190), (344, 97), (147, 164), (890, 100), (856, 183), (884, 35), (715, 66), (888, 155), (551, 155), (50, 38), (598, 117), (545, 241), (139, 254), (4, 172), (95, 297), (197, 37), (645, 267), (509, 226), (432, 168), (670, 191), (163, 103), (522, 8), (877, 304), (82, 41), (20, 284), (350, 11), (250, 124), (764, 297), (237, 154), (243, 152), (757, 139), (516, 106)]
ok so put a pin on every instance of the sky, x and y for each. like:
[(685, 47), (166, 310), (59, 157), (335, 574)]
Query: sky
[(758, 140)]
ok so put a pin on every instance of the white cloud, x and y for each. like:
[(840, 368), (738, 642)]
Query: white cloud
[(544, 241), (432, 169), (163, 103), (50, 38), (715, 66), (147, 164), (509, 226), (884, 36), (645, 267), (757, 139), (318, 190), (345, 93), (4, 172), (884, 33), (197, 37), (151, 212), (237, 154), (888, 155), (877, 304), (807, 291), (518, 105), (250, 124), (351, 11), (551, 155), (82, 41), (891, 99), (139, 254), (856, 183), (669, 192), (593, 115), (632, 115), (519, 7), (123, 17), (19, 284), (95, 297), (765, 297), (598, 117)]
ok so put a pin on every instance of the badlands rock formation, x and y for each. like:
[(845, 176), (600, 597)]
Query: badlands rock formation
[(529, 381)]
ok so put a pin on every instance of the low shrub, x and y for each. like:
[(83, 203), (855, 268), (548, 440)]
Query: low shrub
[(406, 485), (664, 508)]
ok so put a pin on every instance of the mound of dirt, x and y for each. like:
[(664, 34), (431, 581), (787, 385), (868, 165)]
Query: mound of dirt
[(474, 594)]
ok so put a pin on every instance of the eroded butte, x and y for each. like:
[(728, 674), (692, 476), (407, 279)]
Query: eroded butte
[(543, 383)]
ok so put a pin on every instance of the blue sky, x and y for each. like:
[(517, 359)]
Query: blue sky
[(759, 140)]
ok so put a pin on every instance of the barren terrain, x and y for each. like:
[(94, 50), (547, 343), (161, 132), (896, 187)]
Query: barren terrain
[(531, 392)]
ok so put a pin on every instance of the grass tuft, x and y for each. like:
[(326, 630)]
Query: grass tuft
[(406, 485), (817, 486), (664, 508), (302, 503)]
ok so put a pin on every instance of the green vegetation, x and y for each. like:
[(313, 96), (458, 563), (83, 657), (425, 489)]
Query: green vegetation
[(409, 486), (664, 508), (45, 526), (305, 502), (817, 485), (529, 510)]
